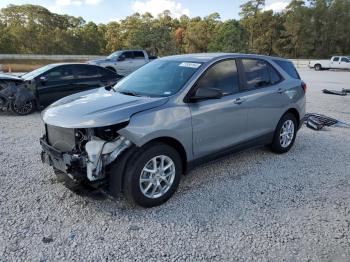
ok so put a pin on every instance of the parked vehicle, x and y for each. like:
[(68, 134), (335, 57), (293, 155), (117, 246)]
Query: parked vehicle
[(336, 62), (52, 82), (124, 62), (169, 116), (8, 89), (6, 79)]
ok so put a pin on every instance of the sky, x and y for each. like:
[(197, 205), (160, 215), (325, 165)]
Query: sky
[(104, 11)]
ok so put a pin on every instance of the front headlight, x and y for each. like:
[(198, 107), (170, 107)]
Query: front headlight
[(110, 133)]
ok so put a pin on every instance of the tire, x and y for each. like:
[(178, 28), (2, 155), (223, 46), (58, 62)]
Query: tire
[(140, 193), (287, 123), (318, 67), (26, 109)]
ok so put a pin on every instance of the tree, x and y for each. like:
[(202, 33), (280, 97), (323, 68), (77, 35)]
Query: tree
[(310, 28), (230, 37)]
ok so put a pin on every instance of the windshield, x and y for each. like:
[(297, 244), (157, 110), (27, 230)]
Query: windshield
[(33, 74), (158, 78), (113, 55)]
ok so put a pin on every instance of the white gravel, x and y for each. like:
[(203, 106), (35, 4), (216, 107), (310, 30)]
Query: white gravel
[(253, 205)]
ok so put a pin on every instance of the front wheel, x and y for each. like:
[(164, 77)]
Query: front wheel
[(24, 109), (152, 175), (285, 134)]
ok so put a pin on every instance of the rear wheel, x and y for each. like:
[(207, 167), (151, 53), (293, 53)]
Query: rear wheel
[(152, 175), (318, 67), (285, 134), (24, 109)]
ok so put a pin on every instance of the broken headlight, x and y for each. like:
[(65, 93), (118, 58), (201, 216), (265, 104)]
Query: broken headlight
[(109, 133)]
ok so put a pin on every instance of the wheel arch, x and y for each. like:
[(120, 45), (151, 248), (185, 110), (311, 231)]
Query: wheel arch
[(111, 68), (295, 112), (174, 143)]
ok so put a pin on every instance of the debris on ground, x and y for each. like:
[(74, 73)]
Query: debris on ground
[(334, 92), (47, 240), (318, 121), (343, 92)]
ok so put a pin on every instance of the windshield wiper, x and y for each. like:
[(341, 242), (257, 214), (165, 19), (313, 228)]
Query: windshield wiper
[(128, 93)]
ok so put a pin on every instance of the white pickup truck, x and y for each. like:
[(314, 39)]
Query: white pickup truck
[(336, 62), (124, 62)]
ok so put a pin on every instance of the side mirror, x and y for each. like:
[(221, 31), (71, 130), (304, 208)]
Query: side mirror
[(43, 79), (121, 58), (206, 93)]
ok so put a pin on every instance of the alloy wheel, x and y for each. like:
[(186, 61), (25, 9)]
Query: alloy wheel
[(287, 133), (157, 176), (24, 109)]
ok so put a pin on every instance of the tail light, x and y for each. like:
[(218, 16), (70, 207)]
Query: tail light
[(304, 86)]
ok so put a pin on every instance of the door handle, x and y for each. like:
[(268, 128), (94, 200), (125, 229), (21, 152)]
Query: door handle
[(239, 101), (280, 90)]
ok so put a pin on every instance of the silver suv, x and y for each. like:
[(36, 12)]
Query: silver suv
[(139, 136)]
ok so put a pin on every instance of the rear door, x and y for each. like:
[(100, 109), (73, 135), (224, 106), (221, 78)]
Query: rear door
[(218, 123), (265, 96), (88, 77), (54, 84)]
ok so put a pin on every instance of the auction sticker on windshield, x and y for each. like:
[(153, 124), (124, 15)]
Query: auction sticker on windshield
[(191, 65)]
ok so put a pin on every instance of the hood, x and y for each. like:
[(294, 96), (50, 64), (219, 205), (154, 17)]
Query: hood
[(9, 77), (96, 108)]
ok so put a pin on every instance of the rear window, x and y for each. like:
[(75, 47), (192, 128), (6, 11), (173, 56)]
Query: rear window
[(288, 67), (84, 71), (256, 73)]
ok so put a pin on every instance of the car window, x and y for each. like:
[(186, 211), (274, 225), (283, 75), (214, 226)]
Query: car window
[(288, 67), (336, 59), (128, 55), (274, 75), (37, 72), (344, 59), (61, 73), (223, 76), (114, 55), (84, 71), (139, 55), (256, 73)]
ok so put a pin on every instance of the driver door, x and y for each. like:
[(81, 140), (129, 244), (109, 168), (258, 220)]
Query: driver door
[(218, 124), (55, 84), (126, 63), (344, 63)]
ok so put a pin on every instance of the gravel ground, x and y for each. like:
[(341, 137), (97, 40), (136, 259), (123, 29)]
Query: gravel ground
[(253, 205)]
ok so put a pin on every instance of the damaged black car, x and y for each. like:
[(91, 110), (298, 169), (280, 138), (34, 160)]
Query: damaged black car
[(40, 88)]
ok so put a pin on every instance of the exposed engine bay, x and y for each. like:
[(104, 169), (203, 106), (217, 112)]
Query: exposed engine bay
[(83, 153)]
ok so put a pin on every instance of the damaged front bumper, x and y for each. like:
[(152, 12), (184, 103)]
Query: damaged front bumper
[(73, 165), (89, 166)]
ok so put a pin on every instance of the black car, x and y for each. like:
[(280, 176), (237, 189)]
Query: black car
[(55, 81), (6, 79)]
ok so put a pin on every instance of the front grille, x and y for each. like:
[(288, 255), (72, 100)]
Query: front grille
[(61, 138)]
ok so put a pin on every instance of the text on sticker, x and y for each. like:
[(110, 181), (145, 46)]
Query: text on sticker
[(191, 65)]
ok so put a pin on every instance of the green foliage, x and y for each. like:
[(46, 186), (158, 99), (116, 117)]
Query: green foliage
[(310, 28), (230, 36)]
